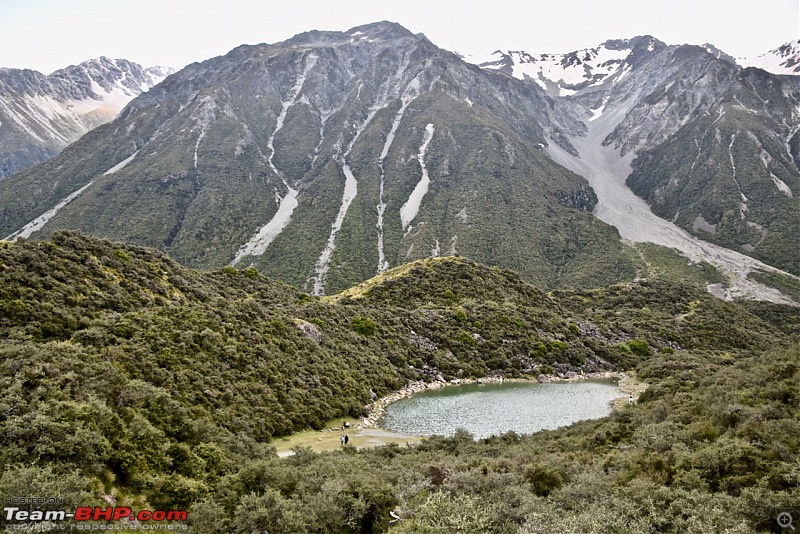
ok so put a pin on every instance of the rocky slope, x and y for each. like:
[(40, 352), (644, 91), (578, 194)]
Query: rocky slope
[(41, 114), (324, 160), (332, 156), (707, 144)]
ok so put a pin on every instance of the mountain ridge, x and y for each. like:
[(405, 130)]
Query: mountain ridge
[(327, 118), (329, 157), (660, 93), (41, 114)]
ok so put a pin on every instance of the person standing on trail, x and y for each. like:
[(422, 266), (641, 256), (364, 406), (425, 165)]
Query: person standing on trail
[(341, 440), (346, 439)]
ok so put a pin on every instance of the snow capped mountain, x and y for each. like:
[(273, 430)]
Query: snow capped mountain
[(675, 122), (332, 156), (41, 114), (567, 74), (783, 60), (325, 159)]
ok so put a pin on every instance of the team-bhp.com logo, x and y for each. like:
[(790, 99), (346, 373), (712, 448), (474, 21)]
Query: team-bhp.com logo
[(86, 518)]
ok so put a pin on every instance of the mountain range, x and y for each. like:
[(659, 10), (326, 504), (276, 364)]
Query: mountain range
[(41, 114), (333, 156)]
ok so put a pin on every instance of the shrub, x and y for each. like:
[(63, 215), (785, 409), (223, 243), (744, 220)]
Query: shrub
[(542, 479), (364, 325), (466, 338), (639, 347)]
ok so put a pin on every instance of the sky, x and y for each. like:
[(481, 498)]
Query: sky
[(45, 35)]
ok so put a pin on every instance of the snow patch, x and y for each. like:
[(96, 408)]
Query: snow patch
[(596, 113), (410, 209), (783, 60), (558, 74), (257, 245), (39, 222), (411, 92)]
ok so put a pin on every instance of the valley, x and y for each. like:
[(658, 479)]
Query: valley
[(170, 387), (236, 258)]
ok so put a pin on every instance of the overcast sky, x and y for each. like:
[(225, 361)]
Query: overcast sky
[(49, 34)]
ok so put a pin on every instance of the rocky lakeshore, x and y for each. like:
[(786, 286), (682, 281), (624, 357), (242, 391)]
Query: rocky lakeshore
[(377, 409)]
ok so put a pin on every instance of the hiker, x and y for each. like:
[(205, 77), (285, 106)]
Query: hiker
[(346, 439), (341, 440)]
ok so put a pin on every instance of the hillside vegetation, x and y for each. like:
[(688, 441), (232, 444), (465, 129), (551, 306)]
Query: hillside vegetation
[(122, 372)]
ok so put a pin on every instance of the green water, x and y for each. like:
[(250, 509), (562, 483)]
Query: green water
[(487, 409)]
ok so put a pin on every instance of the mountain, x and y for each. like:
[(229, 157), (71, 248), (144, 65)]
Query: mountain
[(709, 145), (326, 159), (783, 60), (333, 156), (567, 74), (41, 114), (164, 388)]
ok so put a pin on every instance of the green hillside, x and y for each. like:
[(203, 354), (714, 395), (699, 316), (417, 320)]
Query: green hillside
[(124, 373)]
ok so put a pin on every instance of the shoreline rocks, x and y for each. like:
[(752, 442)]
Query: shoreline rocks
[(377, 409)]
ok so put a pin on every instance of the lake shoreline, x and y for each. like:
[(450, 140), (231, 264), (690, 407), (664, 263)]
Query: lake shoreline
[(627, 384)]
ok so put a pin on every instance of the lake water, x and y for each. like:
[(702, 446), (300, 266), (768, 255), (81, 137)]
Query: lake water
[(486, 409)]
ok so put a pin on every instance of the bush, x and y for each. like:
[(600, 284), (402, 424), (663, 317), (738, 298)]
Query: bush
[(639, 347), (542, 479), (364, 325)]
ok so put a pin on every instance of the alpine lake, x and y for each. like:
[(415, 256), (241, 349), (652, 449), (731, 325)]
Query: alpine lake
[(481, 409), (496, 408)]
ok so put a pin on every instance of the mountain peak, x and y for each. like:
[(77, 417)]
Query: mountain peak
[(382, 29), (374, 31), (41, 114), (782, 60), (566, 74)]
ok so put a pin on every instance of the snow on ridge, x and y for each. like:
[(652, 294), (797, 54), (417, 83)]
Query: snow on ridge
[(557, 73), (410, 209), (782, 60), (482, 59), (39, 222)]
